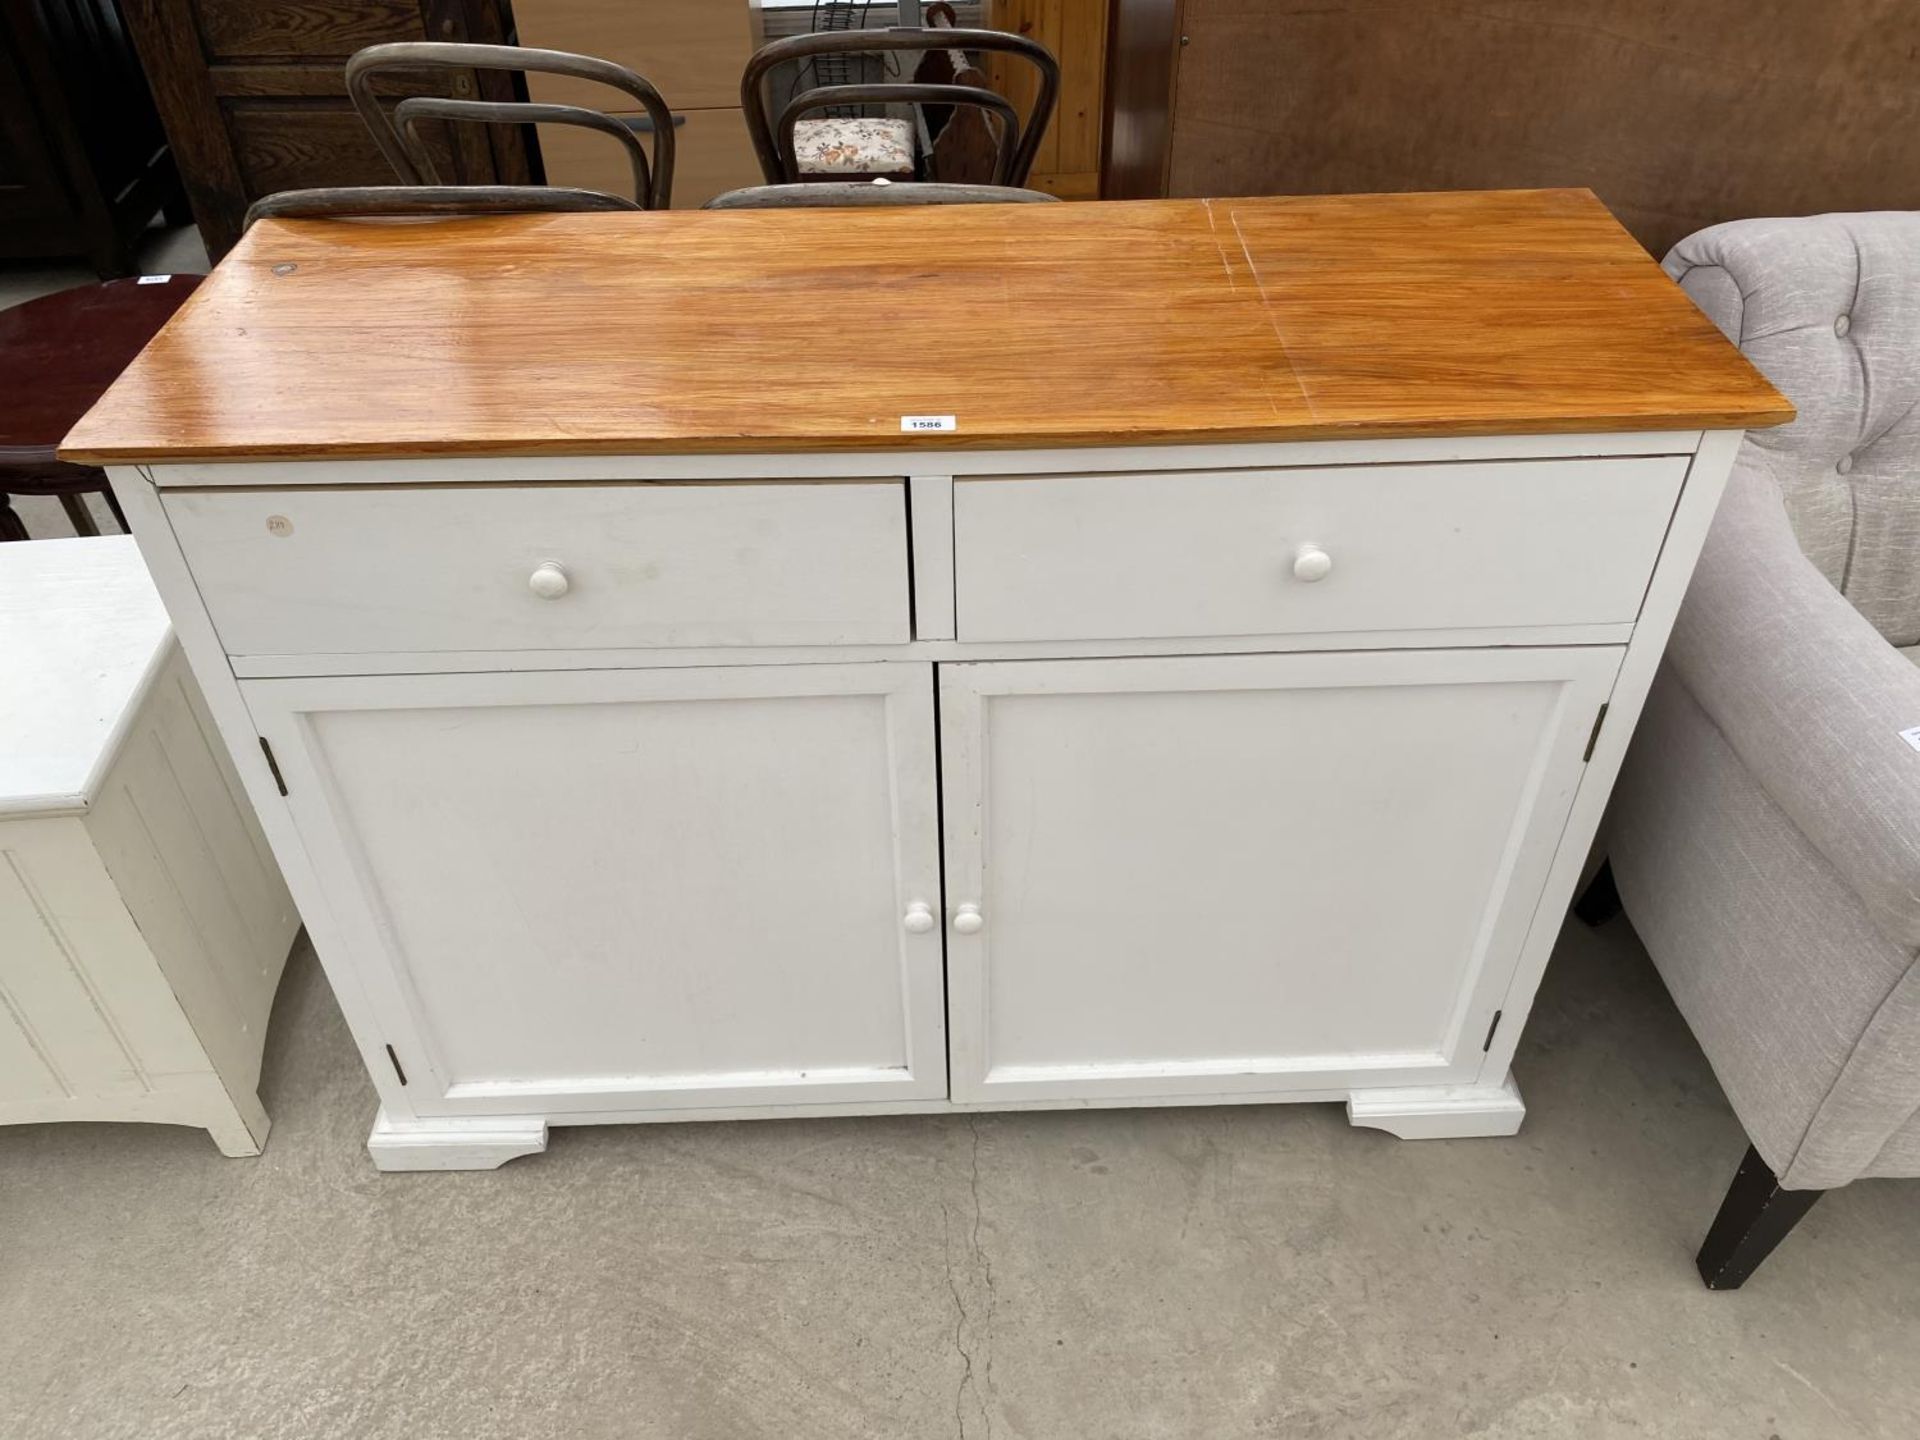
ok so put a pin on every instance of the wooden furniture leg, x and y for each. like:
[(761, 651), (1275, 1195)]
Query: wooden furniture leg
[(1600, 901), (1755, 1217), (78, 516)]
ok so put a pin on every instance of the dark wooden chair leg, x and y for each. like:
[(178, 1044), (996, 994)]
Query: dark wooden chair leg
[(113, 504), (1600, 901), (1755, 1217), (12, 527), (78, 515)]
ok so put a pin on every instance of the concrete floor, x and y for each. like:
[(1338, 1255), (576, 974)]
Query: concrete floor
[(163, 252), (1069, 1276)]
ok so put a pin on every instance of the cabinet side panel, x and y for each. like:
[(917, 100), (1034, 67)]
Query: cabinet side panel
[(235, 730)]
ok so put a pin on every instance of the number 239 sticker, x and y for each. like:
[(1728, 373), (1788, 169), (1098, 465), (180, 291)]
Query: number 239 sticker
[(912, 423)]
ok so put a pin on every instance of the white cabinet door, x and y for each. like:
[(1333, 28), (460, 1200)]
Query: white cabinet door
[(630, 890), (1231, 875)]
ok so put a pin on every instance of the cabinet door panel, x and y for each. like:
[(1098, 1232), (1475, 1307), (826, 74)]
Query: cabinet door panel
[(630, 889), (1235, 874)]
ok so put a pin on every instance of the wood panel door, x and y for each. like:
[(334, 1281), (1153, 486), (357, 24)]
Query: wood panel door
[(1068, 161), (629, 891), (254, 96), (1243, 875)]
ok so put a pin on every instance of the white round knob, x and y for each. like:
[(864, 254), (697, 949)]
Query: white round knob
[(967, 920), (1311, 563), (548, 581), (919, 917)]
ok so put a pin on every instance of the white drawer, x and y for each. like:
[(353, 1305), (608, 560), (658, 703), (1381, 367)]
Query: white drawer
[(450, 567), (1453, 546)]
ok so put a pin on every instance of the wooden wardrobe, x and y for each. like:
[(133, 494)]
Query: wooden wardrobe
[(254, 97)]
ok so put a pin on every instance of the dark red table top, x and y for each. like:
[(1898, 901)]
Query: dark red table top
[(58, 354)]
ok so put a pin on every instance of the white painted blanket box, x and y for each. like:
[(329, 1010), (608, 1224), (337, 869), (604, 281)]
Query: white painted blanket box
[(143, 922)]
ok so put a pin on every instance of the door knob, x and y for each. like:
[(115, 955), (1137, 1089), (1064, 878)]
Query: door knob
[(548, 580), (967, 919), (1311, 563), (919, 918)]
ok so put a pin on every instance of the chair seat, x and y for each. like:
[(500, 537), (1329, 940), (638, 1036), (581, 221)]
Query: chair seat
[(854, 146)]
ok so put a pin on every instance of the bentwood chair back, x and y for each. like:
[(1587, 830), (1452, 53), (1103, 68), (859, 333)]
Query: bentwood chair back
[(397, 131), (779, 139), (848, 194)]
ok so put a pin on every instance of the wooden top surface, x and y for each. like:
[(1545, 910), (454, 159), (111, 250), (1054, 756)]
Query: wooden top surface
[(1033, 325), (82, 632)]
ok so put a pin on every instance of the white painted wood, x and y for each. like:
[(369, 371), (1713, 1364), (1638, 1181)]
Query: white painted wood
[(997, 1105), (1445, 1112), (187, 857), (931, 499), (468, 1143), (142, 934), (1706, 479), (1525, 542), (1249, 873), (448, 662), (160, 549), (521, 470), (548, 581), (1311, 563), (316, 571), (579, 890), (82, 632), (479, 814)]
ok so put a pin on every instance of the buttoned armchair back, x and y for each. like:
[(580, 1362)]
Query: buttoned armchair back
[(1764, 835), (1838, 330)]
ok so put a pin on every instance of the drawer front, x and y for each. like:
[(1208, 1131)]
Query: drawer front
[(436, 568), (692, 50), (1406, 547), (711, 153)]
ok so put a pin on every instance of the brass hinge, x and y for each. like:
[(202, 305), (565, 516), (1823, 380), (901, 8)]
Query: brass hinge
[(396, 1065), (1594, 738), (1490, 1030), (273, 764)]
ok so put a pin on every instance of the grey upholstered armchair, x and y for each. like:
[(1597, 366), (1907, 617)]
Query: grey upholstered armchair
[(1765, 834)]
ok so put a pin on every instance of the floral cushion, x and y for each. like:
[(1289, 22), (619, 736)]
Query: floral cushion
[(854, 146)]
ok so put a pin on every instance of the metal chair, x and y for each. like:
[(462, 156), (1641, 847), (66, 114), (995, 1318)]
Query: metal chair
[(776, 138), (828, 194), (429, 201), (398, 133)]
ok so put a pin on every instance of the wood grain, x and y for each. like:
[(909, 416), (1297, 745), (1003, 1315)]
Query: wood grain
[(284, 147), (1130, 323), (254, 100), (1068, 162), (245, 29)]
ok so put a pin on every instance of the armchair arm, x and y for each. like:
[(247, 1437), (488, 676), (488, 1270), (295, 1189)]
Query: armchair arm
[(1810, 697)]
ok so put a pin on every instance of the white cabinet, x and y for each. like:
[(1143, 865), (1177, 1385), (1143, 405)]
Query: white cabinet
[(594, 891), (818, 786), (1224, 875)]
